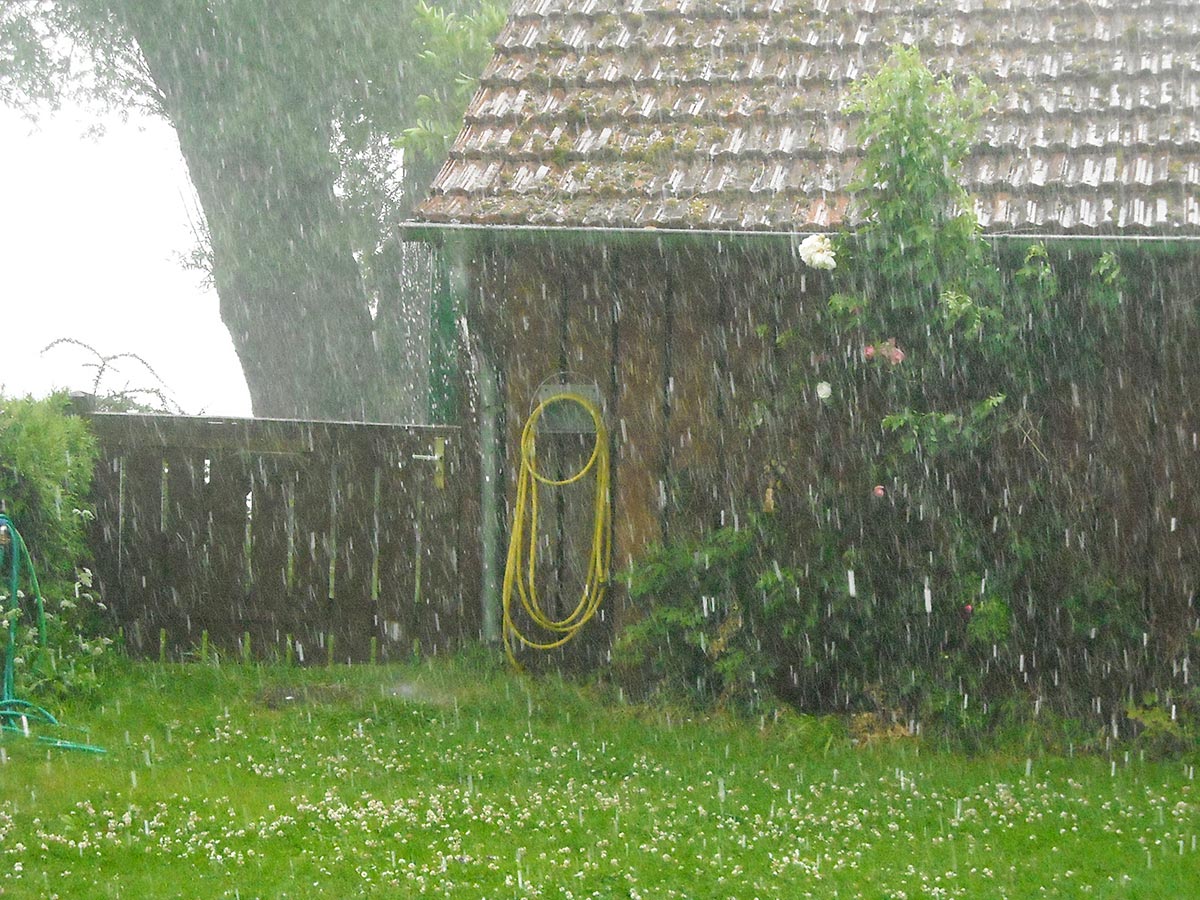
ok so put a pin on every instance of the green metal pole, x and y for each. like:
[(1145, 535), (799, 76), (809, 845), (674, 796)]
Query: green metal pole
[(443, 359), (7, 551)]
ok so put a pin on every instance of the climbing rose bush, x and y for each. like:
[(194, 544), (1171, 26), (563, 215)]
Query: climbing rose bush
[(909, 557), (817, 252)]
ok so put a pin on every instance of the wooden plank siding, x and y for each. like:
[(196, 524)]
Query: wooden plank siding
[(555, 326), (680, 339), (675, 353), (304, 531), (695, 412), (1173, 400)]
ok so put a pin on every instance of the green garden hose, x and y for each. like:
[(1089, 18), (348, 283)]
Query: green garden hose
[(16, 715), (14, 553)]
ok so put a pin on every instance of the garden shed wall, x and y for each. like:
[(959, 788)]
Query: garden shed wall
[(679, 335)]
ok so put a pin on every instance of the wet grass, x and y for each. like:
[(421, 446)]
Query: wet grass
[(456, 779)]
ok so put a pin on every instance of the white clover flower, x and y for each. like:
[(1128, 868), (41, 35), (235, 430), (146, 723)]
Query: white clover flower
[(824, 390), (817, 252)]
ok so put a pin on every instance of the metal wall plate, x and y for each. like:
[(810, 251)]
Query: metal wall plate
[(566, 417)]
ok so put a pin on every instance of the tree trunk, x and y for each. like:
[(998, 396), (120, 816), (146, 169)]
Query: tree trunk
[(289, 287), (260, 158)]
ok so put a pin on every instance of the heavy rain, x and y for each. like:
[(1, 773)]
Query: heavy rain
[(697, 449)]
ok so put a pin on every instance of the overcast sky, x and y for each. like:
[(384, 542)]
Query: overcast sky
[(90, 231)]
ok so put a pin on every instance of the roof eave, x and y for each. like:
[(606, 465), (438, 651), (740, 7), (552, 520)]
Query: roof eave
[(435, 232), (440, 232)]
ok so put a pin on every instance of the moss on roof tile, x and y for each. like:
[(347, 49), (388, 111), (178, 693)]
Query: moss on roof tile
[(720, 113)]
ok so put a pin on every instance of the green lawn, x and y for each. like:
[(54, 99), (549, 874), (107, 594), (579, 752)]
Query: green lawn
[(458, 780)]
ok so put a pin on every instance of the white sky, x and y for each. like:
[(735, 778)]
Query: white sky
[(90, 230)]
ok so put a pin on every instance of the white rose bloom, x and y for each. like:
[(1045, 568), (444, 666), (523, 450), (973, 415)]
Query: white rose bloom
[(817, 252), (824, 390)]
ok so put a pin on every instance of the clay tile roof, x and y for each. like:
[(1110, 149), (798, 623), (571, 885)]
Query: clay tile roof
[(727, 114)]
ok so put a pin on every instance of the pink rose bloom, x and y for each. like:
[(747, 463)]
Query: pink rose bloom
[(869, 351), (879, 490), (897, 356)]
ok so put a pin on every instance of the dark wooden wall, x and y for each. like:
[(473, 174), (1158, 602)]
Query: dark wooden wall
[(668, 331), (679, 336), (287, 530)]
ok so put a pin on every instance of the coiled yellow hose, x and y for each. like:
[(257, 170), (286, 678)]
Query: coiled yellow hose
[(520, 570)]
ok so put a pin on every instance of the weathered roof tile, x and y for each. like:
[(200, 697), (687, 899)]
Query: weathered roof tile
[(719, 114)]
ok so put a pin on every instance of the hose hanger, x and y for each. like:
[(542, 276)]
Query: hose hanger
[(520, 572)]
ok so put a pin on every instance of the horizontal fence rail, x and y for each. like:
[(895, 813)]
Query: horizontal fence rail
[(312, 541)]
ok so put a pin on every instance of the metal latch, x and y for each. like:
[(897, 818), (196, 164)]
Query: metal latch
[(438, 458)]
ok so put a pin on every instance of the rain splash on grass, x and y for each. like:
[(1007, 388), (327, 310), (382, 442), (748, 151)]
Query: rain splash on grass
[(456, 779)]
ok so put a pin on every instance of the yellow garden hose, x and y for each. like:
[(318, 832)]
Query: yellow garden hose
[(521, 569)]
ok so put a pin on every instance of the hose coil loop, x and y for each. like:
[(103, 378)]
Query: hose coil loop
[(520, 570)]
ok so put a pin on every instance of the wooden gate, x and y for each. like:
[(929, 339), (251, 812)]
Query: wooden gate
[(341, 539)]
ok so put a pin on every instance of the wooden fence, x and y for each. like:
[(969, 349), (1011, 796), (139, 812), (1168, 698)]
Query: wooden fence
[(282, 532)]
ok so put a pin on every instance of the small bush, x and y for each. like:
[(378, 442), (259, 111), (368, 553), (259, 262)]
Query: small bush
[(46, 461), (697, 635), (1163, 729)]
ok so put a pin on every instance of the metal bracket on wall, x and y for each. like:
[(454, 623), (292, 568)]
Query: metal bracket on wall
[(567, 417), (438, 458)]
